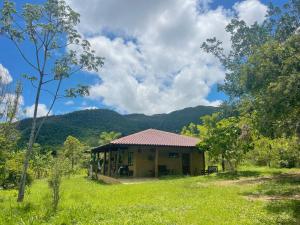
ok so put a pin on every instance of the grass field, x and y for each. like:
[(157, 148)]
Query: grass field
[(251, 196)]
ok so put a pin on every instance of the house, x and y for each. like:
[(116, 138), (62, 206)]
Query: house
[(149, 153)]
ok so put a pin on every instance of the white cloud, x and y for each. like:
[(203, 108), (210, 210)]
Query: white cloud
[(153, 61), (87, 107), (42, 111), (251, 11), (70, 102), (5, 77)]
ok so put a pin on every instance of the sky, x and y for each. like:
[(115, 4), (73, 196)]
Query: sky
[(153, 61)]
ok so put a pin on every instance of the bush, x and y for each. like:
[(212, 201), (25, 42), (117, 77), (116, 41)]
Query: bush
[(12, 170), (59, 167), (279, 152)]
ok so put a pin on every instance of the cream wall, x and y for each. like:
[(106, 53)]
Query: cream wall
[(197, 162), (144, 160), (173, 164)]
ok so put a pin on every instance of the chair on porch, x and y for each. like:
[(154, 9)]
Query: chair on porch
[(123, 170), (162, 170)]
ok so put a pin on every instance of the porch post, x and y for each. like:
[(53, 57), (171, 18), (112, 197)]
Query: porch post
[(156, 162), (109, 162), (98, 164), (104, 163), (118, 162), (91, 166)]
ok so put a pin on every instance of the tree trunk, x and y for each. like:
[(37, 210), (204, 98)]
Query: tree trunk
[(72, 163), (223, 163), (30, 145), (26, 162)]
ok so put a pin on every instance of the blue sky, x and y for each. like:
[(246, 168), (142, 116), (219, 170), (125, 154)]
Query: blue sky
[(153, 60)]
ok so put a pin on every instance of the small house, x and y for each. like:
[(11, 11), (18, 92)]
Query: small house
[(149, 153)]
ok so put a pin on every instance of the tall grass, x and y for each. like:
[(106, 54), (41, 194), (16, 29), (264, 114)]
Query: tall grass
[(189, 200)]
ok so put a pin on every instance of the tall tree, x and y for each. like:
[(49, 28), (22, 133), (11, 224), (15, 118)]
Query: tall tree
[(271, 79), (263, 69), (59, 53), (107, 137)]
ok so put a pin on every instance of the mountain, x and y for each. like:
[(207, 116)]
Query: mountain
[(88, 124)]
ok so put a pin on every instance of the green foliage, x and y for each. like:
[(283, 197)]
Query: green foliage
[(59, 168), (192, 130), (279, 152), (228, 138), (10, 159), (272, 78), (12, 169), (262, 67), (49, 29), (107, 137), (73, 151), (88, 124), (40, 162), (263, 153)]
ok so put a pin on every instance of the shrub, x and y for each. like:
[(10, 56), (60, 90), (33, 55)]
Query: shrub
[(12, 170), (59, 167)]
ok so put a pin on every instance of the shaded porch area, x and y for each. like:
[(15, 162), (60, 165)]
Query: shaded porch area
[(122, 161)]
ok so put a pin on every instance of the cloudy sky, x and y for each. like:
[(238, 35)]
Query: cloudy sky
[(153, 61)]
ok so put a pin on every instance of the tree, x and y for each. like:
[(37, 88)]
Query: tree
[(73, 150), (272, 78), (229, 138), (263, 70), (201, 130), (107, 137), (59, 52), (264, 153)]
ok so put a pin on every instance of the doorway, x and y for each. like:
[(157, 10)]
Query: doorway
[(186, 164)]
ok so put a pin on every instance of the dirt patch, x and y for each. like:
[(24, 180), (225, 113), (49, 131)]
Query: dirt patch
[(137, 180), (272, 198), (258, 180)]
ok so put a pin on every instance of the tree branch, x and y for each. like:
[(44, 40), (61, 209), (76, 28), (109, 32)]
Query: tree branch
[(23, 55)]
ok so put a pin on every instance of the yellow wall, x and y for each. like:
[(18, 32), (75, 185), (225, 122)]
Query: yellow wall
[(144, 160), (173, 164), (197, 162)]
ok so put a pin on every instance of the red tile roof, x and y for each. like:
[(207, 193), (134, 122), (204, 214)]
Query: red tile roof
[(157, 138)]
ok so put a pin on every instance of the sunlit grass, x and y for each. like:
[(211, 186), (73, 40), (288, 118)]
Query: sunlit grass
[(190, 200)]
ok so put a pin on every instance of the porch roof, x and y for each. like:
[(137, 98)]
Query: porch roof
[(151, 137)]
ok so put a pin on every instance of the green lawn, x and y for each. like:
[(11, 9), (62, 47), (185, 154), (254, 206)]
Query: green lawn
[(217, 199)]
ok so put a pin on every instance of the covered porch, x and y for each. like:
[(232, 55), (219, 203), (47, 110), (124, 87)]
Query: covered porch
[(146, 161), (148, 153)]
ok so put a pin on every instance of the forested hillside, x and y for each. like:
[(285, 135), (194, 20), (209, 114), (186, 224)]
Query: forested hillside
[(87, 125)]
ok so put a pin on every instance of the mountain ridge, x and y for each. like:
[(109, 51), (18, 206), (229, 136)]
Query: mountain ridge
[(86, 125)]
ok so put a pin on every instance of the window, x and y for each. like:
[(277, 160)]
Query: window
[(130, 158), (173, 155)]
